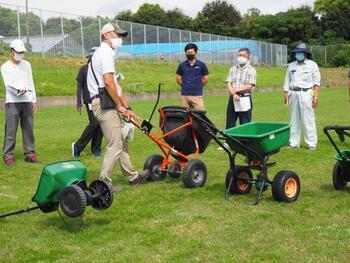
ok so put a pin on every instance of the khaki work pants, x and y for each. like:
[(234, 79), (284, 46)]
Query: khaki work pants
[(193, 102), (116, 149)]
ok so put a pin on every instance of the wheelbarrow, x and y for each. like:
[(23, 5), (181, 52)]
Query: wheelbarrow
[(341, 168), (63, 184)]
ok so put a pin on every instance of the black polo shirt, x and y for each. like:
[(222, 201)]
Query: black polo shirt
[(82, 86), (192, 77)]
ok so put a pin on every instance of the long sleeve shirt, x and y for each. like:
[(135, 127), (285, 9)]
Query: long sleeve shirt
[(18, 77)]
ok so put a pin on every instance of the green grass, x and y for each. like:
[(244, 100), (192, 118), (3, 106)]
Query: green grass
[(165, 222)]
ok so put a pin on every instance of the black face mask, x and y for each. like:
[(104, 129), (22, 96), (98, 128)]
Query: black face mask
[(190, 56)]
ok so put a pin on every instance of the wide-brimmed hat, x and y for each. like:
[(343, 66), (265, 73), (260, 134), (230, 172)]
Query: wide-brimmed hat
[(109, 27), (302, 47)]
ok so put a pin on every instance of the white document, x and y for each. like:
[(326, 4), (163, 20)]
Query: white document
[(243, 104)]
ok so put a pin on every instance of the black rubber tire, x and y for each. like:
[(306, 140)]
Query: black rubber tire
[(239, 186), (102, 194), (339, 182), (153, 163), (73, 201), (194, 174), (279, 186)]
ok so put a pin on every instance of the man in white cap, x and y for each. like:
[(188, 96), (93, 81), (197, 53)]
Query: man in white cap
[(301, 90), (102, 88), (20, 103)]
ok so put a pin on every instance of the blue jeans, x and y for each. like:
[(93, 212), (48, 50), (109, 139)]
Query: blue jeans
[(232, 115)]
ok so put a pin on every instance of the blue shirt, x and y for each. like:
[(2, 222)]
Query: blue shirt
[(192, 76)]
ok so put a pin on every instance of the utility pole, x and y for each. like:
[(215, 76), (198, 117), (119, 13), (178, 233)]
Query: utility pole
[(27, 26)]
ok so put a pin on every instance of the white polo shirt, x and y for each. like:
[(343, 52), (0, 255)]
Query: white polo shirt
[(17, 77), (305, 75), (102, 63)]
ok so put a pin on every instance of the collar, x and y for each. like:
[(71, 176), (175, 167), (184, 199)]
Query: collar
[(188, 63), (304, 62), (105, 45)]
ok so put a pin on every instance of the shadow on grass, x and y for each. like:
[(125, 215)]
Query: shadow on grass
[(74, 225), (330, 188)]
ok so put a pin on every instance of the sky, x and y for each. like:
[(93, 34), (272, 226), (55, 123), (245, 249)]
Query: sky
[(189, 7)]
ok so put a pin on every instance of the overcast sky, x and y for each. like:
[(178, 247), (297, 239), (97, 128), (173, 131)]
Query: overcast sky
[(189, 7)]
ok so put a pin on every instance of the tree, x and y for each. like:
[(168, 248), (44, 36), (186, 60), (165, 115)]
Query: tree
[(150, 14), (177, 19), (217, 17)]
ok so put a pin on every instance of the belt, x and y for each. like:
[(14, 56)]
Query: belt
[(300, 89), (95, 97), (243, 94)]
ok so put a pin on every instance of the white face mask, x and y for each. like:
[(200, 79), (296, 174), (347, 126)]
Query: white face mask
[(18, 56), (242, 60), (116, 42)]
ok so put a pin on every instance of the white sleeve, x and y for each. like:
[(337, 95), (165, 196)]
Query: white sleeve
[(287, 81), (229, 75), (31, 82), (9, 82), (316, 76)]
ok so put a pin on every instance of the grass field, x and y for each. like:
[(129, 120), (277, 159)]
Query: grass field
[(165, 222), (56, 76)]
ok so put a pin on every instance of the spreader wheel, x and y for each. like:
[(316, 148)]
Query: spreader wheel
[(101, 194), (154, 164), (338, 177), (286, 186), (194, 174), (73, 201), (241, 182)]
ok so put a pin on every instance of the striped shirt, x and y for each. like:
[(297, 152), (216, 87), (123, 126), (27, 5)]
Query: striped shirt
[(241, 76)]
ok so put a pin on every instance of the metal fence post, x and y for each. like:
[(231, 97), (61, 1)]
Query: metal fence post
[(145, 42), (99, 28), (82, 37), (170, 56), (158, 43), (18, 23), (62, 31), (132, 41), (42, 35)]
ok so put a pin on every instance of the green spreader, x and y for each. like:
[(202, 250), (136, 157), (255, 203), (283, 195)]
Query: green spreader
[(257, 141), (63, 184)]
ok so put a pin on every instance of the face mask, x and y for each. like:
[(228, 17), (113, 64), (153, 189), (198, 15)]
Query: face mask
[(18, 57), (300, 56), (116, 42), (242, 60), (190, 56)]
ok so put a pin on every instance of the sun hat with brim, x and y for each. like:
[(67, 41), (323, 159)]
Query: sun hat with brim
[(302, 47), (18, 46), (109, 27)]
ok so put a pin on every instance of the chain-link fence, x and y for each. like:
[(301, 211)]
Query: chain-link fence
[(332, 55), (62, 34)]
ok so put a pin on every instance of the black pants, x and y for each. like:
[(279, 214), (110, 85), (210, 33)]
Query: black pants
[(232, 115), (92, 132)]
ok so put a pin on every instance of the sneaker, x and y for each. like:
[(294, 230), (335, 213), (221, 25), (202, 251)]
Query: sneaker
[(221, 149), (75, 151), (292, 147), (97, 154), (31, 159), (141, 178), (312, 148), (9, 161)]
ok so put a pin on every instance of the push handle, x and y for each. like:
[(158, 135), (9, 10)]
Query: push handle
[(155, 106), (341, 131)]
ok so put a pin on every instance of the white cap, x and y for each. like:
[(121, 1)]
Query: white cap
[(109, 27), (18, 45)]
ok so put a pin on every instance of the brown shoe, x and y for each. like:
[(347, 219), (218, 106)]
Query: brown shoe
[(31, 158), (141, 178)]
